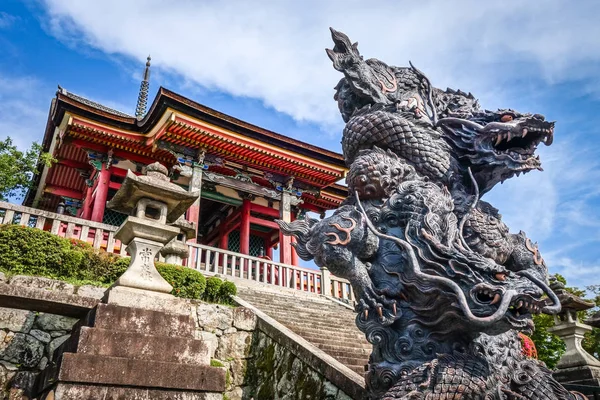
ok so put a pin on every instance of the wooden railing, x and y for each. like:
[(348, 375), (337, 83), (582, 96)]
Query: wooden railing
[(100, 236), (209, 260)]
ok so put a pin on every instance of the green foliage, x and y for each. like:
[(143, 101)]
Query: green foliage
[(17, 168), (227, 290), (31, 251), (35, 252), (219, 291), (186, 282), (213, 285), (549, 346), (216, 363)]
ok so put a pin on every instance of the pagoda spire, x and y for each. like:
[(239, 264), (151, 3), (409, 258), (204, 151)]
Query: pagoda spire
[(142, 102)]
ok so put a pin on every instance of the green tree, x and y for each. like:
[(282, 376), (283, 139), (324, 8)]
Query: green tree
[(17, 168)]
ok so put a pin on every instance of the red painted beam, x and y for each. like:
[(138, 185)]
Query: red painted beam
[(117, 153), (63, 191), (121, 172), (74, 164), (264, 222), (114, 185), (271, 212)]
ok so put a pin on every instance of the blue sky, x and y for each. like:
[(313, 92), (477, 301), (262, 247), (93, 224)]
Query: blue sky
[(264, 62)]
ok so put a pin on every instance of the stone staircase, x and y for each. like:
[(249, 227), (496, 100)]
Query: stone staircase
[(324, 323)]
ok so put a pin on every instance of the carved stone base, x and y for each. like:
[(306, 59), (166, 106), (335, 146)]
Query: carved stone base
[(142, 273)]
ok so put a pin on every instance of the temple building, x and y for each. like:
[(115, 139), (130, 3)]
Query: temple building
[(248, 176)]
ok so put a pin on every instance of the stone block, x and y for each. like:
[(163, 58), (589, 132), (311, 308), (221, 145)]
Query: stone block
[(244, 319), (235, 394), (3, 277), (211, 341), (214, 316), (236, 346), (238, 371), (53, 322), (90, 291), (147, 300), (68, 391), (42, 336), (16, 320), (95, 341), (102, 370), (24, 350), (55, 344), (138, 320), (37, 282)]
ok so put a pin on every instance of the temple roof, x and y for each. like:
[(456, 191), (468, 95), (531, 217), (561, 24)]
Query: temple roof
[(166, 99), (93, 104)]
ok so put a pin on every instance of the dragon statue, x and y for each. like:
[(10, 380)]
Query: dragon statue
[(443, 289)]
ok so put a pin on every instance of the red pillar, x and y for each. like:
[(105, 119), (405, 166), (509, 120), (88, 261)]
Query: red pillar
[(101, 194), (295, 258), (270, 252), (285, 249), (224, 236), (245, 228), (87, 204)]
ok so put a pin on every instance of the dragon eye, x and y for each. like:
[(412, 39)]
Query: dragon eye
[(506, 118)]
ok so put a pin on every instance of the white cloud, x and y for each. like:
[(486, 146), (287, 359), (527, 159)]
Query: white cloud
[(7, 20), (24, 109), (274, 50)]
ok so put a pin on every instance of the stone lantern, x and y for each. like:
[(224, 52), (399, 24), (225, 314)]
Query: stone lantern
[(154, 204), (576, 366)]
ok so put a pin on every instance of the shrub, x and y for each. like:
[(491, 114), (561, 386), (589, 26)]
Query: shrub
[(186, 282), (31, 251), (213, 285), (227, 290)]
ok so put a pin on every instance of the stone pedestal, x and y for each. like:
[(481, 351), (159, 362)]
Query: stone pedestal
[(141, 273), (121, 352)]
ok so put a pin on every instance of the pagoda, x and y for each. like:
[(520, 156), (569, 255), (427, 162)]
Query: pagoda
[(247, 176)]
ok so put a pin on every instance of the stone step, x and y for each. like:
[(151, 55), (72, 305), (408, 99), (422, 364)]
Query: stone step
[(353, 360), (126, 319), (326, 324), (103, 370), (138, 346), (340, 345)]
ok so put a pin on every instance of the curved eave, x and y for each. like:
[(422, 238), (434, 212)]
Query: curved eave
[(166, 99)]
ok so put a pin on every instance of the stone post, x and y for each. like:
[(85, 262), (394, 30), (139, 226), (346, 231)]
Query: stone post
[(325, 282)]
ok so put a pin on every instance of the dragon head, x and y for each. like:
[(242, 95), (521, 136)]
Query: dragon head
[(498, 144), (439, 281)]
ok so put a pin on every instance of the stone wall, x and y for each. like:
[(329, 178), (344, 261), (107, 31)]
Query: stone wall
[(27, 341), (276, 373), (257, 366)]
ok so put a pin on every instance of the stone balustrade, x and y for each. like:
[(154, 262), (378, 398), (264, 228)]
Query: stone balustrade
[(214, 261), (208, 260)]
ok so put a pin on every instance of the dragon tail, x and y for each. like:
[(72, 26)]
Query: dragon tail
[(302, 230)]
